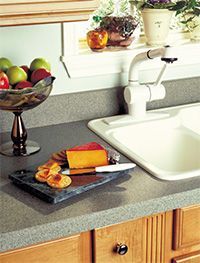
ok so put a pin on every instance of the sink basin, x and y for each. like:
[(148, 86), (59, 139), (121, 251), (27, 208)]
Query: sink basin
[(167, 145)]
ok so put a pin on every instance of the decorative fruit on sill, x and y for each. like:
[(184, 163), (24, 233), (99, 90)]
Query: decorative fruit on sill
[(97, 39)]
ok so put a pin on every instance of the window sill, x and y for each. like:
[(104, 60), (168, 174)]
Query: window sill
[(86, 63)]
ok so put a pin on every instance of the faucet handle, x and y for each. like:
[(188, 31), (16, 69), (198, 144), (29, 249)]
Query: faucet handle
[(136, 97)]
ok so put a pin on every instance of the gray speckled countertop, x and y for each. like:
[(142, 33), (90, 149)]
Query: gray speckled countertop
[(27, 220)]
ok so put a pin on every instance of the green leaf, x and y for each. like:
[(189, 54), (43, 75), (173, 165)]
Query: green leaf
[(97, 19), (197, 12), (190, 19), (178, 6)]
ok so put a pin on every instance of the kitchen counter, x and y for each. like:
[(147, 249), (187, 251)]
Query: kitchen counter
[(26, 220)]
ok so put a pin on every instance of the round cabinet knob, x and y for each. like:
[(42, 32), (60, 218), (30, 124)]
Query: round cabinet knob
[(121, 249)]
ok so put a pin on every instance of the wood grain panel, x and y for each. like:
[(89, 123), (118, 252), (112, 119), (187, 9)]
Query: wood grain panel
[(186, 227), (154, 238), (106, 240), (192, 258), (21, 12), (74, 249), (38, 1)]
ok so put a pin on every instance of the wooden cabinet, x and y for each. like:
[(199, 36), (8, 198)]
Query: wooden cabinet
[(170, 237), (145, 239), (74, 249), (185, 235), (192, 258), (186, 227), (24, 12)]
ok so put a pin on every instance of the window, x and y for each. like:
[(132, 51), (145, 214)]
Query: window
[(80, 61)]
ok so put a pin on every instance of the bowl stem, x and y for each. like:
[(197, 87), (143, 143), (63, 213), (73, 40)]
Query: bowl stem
[(18, 135), (19, 146)]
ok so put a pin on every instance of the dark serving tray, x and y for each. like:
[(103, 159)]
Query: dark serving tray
[(80, 183)]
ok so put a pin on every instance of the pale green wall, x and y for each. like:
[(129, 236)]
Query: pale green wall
[(21, 44)]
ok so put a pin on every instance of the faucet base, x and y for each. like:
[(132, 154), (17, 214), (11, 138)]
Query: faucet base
[(128, 119)]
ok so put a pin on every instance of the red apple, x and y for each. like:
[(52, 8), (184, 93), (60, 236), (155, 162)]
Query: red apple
[(39, 74), (24, 84), (4, 82)]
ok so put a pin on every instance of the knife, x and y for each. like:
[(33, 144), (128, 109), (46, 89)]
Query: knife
[(101, 169)]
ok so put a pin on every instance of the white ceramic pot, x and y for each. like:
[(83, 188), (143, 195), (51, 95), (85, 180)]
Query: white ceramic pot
[(194, 26), (156, 25)]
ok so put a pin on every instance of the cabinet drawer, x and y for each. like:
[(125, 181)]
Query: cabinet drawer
[(192, 258), (106, 240), (186, 227), (74, 249)]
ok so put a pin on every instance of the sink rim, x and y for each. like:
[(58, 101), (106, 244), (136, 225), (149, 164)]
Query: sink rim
[(107, 134)]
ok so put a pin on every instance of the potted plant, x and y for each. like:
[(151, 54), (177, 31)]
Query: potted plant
[(189, 16), (156, 15), (120, 29), (114, 17)]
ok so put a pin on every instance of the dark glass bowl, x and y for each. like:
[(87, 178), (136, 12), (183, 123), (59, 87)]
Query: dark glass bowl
[(18, 100)]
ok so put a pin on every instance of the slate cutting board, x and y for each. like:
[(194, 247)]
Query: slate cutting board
[(80, 183)]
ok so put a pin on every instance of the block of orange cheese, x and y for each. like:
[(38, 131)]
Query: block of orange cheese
[(87, 155)]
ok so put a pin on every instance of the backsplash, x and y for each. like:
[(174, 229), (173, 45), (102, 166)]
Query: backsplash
[(95, 104)]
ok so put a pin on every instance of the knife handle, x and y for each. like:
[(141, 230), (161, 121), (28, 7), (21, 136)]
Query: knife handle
[(115, 167)]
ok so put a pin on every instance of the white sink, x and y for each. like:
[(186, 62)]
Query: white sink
[(168, 147)]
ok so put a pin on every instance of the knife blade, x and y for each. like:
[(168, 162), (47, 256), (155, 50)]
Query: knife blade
[(101, 169)]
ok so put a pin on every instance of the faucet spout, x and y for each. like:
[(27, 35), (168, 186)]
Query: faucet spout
[(166, 53), (139, 58)]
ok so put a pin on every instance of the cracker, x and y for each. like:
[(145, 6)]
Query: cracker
[(58, 157), (59, 181), (51, 164), (42, 175)]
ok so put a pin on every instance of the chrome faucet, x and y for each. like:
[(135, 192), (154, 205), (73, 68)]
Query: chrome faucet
[(137, 95)]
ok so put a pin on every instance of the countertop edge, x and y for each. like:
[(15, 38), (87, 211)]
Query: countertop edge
[(71, 226)]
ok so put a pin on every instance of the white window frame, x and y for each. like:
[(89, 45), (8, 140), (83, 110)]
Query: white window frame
[(86, 63)]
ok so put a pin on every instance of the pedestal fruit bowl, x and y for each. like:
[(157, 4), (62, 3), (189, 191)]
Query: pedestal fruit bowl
[(17, 101)]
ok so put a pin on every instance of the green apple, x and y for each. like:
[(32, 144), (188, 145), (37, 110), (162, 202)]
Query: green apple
[(16, 74), (5, 64), (40, 63)]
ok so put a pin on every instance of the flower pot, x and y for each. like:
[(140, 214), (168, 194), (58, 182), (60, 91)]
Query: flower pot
[(156, 25), (194, 28), (115, 39)]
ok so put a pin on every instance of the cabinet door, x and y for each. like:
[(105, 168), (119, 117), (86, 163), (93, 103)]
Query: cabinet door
[(23, 12), (145, 238), (76, 249), (192, 258), (186, 227)]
